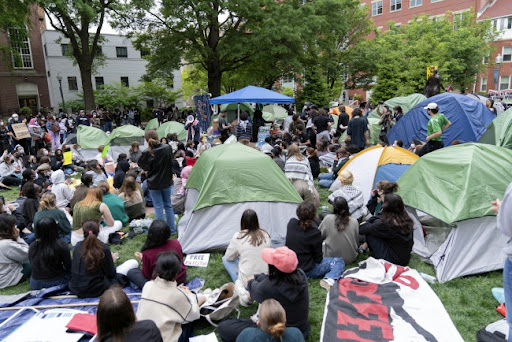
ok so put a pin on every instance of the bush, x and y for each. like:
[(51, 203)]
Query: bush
[(26, 110)]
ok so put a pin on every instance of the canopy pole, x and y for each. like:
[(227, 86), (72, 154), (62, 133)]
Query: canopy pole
[(238, 111)]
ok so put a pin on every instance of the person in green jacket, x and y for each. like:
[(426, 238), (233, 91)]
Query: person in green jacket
[(114, 203), (48, 208)]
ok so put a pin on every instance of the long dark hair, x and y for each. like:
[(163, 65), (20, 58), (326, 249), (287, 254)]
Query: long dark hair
[(158, 234), (249, 225), (394, 213), (115, 315), (7, 225), (168, 266), (342, 212), (92, 248), (306, 212), (47, 234)]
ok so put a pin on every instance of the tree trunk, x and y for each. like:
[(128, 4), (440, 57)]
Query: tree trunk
[(214, 77), (86, 75)]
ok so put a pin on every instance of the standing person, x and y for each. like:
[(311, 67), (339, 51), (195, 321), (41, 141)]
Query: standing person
[(53, 128), (357, 129), (192, 127), (157, 162), (257, 122), (243, 129), (343, 120), (83, 119), (136, 117), (224, 126), (322, 124), (4, 137), (398, 113), (37, 134), (242, 259), (435, 127), (14, 265)]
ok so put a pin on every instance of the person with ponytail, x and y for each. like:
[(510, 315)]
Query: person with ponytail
[(271, 326), (116, 322), (157, 162), (340, 232), (48, 208), (93, 270), (49, 255)]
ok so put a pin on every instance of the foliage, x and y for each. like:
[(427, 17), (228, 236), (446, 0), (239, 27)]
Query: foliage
[(288, 91), (315, 89), (73, 105), (116, 95), (26, 110), (158, 91), (399, 57)]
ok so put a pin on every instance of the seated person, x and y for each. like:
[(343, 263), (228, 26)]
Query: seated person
[(8, 171), (48, 208), (103, 160), (114, 204), (81, 190), (157, 241), (325, 180), (122, 167), (383, 188), (29, 209), (60, 189), (179, 196), (353, 195), (115, 303), (14, 265), (165, 302), (49, 256), (133, 202), (94, 169), (57, 160), (92, 269)]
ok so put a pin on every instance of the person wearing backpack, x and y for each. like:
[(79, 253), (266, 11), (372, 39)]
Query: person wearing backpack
[(53, 128)]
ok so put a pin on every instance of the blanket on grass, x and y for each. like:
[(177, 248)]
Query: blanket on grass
[(380, 301)]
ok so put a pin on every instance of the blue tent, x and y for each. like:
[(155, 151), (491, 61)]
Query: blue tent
[(469, 120), (253, 94)]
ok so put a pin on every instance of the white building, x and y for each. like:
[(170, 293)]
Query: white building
[(123, 64)]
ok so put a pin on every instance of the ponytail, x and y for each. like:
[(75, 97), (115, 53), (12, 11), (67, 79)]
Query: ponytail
[(151, 137), (272, 318), (92, 248), (277, 330)]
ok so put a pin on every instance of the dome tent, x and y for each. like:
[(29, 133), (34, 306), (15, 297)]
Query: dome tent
[(121, 138), (406, 102), (449, 191), (499, 131), (225, 181), (172, 127)]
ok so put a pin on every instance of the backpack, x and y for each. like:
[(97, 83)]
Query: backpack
[(220, 304), (55, 127), (494, 332)]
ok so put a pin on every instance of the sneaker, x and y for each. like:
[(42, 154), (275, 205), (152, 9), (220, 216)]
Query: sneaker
[(327, 283)]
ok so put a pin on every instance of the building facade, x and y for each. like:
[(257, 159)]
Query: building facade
[(23, 73), (123, 64)]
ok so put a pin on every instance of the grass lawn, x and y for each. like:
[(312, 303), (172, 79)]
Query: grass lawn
[(468, 300)]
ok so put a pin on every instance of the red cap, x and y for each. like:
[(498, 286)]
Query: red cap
[(283, 258)]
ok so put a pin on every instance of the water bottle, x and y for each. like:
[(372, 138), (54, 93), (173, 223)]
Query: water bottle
[(428, 278)]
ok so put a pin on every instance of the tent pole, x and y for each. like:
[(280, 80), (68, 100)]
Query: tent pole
[(238, 111)]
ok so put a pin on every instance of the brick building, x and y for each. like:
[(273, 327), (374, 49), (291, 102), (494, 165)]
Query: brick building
[(23, 76)]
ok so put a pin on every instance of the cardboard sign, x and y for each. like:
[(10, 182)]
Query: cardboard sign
[(20, 130), (68, 158), (197, 260)]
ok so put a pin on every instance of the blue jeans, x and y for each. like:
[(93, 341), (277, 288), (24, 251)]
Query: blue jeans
[(44, 284), (507, 284), (162, 202), (231, 267), (329, 268), (325, 180)]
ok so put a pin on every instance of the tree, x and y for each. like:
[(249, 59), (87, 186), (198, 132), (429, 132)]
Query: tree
[(158, 91), (74, 19), (14, 17)]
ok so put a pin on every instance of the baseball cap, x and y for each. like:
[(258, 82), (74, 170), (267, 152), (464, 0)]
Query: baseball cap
[(283, 258), (431, 105)]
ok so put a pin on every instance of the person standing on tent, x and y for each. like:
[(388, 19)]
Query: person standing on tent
[(435, 127), (157, 162)]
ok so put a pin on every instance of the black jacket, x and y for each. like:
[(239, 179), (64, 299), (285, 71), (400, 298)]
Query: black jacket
[(158, 167), (145, 330), (306, 244)]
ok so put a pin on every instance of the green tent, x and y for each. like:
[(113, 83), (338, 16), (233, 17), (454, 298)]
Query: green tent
[(125, 135), (235, 173), (406, 102), (232, 109), (152, 124), (457, 182), (91, 137), (172, 127), (499, 131)]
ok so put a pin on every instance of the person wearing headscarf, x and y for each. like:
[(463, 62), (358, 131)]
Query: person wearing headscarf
[(61, 190)]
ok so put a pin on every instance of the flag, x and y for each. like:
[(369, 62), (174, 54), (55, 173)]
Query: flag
[(449, 88)]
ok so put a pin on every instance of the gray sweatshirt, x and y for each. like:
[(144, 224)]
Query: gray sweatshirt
[(12, 256)]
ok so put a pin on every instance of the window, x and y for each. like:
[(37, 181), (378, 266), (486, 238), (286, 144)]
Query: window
[(485, 60), (124, 81), (144, 52), (396, 5), (122, 51), (65, 49), (72, 84), (483, 84), (415, 3), (458, 19), (99, 82), (507, 54), (376, 8), (502, 23), (287, 78), (432, 1), (21, 52), (504, 82)]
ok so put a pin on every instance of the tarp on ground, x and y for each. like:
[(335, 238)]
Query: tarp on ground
[(406, 102), (499, 131), (152, 124), (235, 173), (90, 138), (469, 120), (172, 127), (125, 135), (252, 94)]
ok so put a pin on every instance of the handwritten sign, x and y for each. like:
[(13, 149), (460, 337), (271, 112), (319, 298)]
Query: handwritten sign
[(197, 260), (20, 130)]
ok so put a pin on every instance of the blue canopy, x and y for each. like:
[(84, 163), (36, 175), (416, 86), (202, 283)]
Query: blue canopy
[(253, 94), (469, 120)]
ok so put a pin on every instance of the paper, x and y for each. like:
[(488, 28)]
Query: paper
[(20, 130), (197, 260), (211, 337), (105, 150), (68, 158)]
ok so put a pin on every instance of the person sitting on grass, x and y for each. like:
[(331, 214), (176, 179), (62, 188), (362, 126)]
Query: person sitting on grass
[(116, 320), (171, 306), (49, 256), (94, 169), (285, 283), (61, 190), (133, 201), (243, 255), (92, 269), (114, 204), (325, 180), (14, 265), (390, 237), (157, 242), (81, 190), (29, 209), (353, 195), (48, 208), (122, 167), (179, 195), (271, 326), (92, 207), (382, 188), (304, 238)]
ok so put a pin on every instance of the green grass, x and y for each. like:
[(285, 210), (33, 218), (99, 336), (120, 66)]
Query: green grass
[(468, 300)]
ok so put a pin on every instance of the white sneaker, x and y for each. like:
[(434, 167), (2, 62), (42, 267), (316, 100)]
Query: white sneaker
[(327, 283)]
